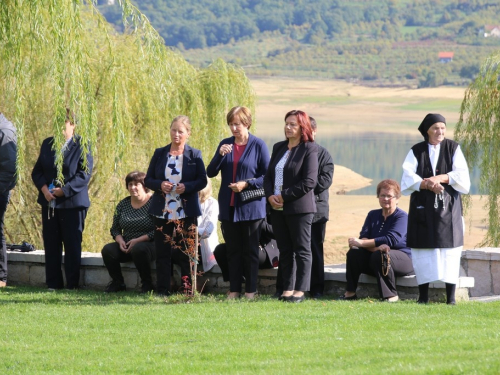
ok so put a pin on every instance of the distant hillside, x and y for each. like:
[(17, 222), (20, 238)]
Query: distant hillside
[(383, 41)]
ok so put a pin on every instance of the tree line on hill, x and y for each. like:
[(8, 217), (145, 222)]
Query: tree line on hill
[(205, 23), (384, 40)]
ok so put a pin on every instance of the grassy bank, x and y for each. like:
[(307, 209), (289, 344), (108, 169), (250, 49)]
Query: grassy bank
[(89, 332)]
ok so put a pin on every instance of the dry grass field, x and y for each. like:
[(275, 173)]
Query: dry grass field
[(342, 108)]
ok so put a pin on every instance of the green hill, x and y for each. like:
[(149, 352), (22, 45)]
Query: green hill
[(384, 42)]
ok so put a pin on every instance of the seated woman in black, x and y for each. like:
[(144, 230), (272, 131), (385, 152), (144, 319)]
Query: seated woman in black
[(384, 231), (268, 251), (133, 232)]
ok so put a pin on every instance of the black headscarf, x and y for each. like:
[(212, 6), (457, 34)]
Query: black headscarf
[(428, 121)]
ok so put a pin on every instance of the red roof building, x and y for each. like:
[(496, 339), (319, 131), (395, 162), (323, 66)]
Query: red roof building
[(445, 57)]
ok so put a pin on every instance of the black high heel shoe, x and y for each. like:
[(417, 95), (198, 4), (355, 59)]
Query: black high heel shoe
[(296, 299)]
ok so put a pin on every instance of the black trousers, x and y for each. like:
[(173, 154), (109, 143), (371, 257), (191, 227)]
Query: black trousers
[(242, 241), (293, 235), (169, 251), (65, 227), (220, 253), (363, 261), (4, 201), (318, 263), (142, 254)]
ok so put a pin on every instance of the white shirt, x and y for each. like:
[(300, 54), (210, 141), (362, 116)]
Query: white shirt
[(459, 176)]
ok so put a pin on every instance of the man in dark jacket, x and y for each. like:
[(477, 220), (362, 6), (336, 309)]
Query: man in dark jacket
[(8, 153), (325, 177)]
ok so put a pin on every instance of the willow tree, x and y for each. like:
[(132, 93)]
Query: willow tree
[(478, 131), (124, 88)]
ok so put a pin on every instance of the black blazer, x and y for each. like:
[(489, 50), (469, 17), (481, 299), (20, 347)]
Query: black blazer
[(194, 178), (300, 175), (76, 177), (325, 179)]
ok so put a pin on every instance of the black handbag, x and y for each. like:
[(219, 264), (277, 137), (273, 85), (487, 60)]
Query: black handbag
[(249, 194)]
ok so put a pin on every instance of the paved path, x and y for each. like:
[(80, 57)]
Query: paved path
[(485, 299)]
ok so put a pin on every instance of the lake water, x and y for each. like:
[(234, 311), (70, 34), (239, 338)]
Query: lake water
[(374, 155)]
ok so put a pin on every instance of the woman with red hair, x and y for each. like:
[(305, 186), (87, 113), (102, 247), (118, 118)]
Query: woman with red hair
[(289, 185)]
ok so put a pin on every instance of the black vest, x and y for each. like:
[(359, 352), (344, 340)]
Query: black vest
[(435, 223)]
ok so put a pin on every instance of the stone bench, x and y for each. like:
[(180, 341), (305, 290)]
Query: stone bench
[(29, 269), (335, 283)]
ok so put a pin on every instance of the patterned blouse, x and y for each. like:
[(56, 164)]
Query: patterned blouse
[(278, 180), (130, 222), (173, 204)]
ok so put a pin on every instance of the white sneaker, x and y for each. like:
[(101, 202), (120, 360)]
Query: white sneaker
[(393, 299)]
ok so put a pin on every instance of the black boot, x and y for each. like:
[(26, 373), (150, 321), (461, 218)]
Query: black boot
[(423, 293), (450, 294)]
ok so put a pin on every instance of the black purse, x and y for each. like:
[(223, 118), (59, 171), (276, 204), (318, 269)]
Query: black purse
[(249, 194)]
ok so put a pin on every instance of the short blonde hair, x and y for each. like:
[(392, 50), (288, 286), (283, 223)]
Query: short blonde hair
[(242, 113), (184, 120), (206, 192)]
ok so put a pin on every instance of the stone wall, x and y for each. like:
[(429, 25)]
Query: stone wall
[(484, 266), (29, 269)]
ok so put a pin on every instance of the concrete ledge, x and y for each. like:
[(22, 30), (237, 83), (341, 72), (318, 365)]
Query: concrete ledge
[(29, 269), (484, 266)]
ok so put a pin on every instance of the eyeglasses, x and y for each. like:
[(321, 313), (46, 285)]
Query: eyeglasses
[(389, 197)]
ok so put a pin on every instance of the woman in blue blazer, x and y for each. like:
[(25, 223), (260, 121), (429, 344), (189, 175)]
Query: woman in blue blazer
[(242, 161), (289, 185), (176, 174), (64, 206)]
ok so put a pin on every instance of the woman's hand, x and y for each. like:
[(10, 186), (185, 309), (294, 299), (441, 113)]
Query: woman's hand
[(121, 243), (434, 183), (237, 187), (355, 242), (225, 149), (276, 201), (47, 194), (58, 192), (166, 187), (131, 243), (180, 189), (384, 248)]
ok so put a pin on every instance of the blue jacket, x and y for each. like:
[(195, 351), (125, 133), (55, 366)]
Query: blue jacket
[(76, 177), (391, 232), (194, 179), (252, 167)]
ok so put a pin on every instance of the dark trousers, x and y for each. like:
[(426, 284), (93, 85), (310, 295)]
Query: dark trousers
[(242, 241), (142, 254), (169, 250), (318, 263), (220, 253), (363, 261), (65, 227), (4, 201), (293, 235)]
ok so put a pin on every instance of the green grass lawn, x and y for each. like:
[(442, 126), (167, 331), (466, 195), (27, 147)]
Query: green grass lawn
[(90, 332)]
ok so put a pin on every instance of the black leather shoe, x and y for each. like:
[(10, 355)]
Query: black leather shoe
[(285, 298), (351, 298), (295, 299), (115, 286), (147, 288), (316, 295), (422, 302)]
